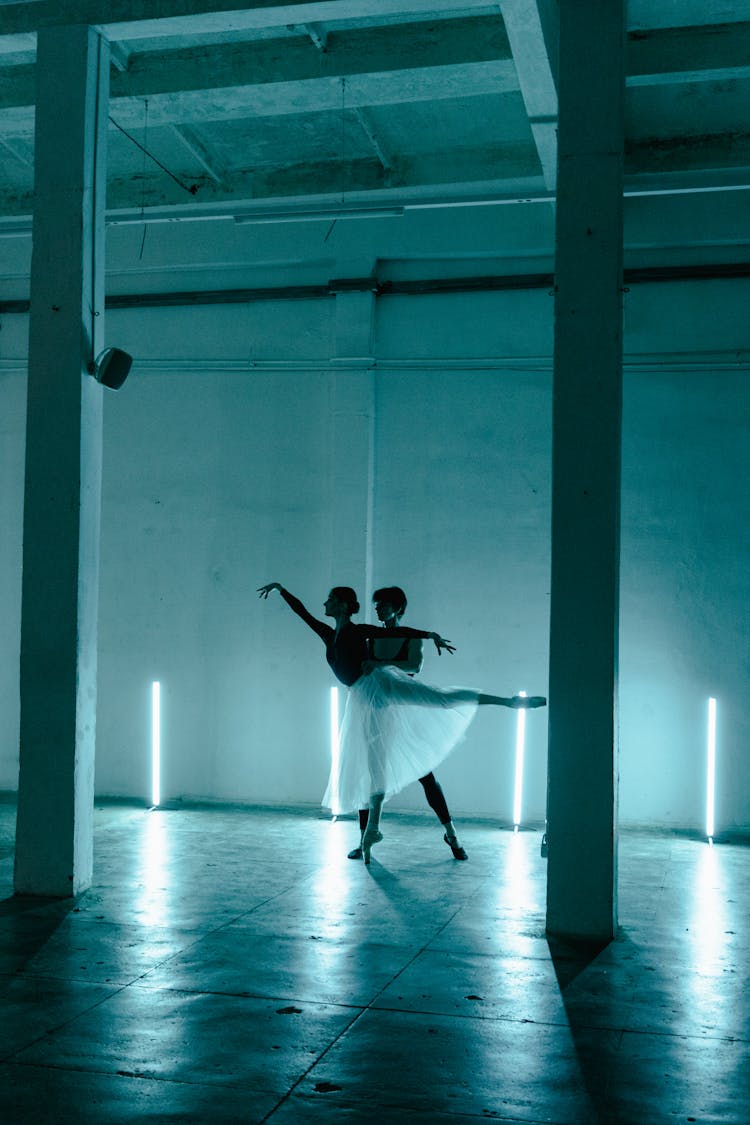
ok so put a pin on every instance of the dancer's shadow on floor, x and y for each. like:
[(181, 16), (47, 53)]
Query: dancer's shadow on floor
[(384, 877)]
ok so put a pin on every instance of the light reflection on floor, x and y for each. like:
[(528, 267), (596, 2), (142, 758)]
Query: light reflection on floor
[(154, 885), (709, 978), (708, 921), (235, 966), (516, 892)]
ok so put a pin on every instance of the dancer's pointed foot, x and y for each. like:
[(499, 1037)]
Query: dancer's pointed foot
[(371, 836), (355, 853), (528, 701), (455, 847)]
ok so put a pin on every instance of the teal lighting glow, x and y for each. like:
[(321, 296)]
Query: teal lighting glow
[(520, 749), (156, 743), (334, 713), (711, 771)]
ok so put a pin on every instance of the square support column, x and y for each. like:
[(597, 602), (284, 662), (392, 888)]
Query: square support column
[(62, 498), (587, 417)]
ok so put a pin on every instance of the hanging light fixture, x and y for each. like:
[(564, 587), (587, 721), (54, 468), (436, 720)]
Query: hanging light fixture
[(111, 367)]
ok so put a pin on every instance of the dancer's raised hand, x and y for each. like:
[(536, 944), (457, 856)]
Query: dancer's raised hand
[(441, 643), (264, 591)]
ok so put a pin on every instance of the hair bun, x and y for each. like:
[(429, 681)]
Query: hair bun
[(348, 596)]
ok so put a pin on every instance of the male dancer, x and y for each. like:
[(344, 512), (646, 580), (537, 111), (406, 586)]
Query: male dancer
[(406, 653)]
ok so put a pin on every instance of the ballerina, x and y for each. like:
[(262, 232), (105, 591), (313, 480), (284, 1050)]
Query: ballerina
[(395, 729), (407, 654)]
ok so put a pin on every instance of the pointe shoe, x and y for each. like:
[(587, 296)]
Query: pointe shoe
[(455, 847), (528, 701), (371, 836), (355, 853)]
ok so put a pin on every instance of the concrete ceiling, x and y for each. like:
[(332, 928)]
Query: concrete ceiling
[(442, 111), (272, 105)]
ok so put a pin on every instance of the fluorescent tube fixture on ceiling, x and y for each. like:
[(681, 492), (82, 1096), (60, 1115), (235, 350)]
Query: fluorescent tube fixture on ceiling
[(319, 214)]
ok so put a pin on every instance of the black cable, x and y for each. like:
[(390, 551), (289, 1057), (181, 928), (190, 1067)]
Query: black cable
[(191, 189)]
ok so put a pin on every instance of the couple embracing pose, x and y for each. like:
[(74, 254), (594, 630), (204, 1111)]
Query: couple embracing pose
[(395, 728)]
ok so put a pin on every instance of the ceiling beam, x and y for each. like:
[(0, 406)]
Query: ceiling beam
[(523, 23), (256, 78), (683, 154), (201, 153), (295, 58), (413, 176), (272, 99), (16, 49), (317, 35), (369, 131), (679, 54), (16, 152), (689, 77), (646, 15), (136, 19), (291, 59), (509, 172), (327, 179), (119, 56)]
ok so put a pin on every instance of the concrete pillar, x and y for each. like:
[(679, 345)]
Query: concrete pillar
[(582, 797), (62, 499), (352, 446)]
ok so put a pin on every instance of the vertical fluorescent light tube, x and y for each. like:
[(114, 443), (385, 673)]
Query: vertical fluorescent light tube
[(156, 743), (520, 740), (711, 771), (334, 750)]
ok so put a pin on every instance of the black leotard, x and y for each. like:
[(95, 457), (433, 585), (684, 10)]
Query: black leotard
[(346, 652), (403, 652)]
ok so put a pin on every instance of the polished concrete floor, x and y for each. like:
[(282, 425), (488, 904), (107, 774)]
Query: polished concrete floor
[(233, 966)]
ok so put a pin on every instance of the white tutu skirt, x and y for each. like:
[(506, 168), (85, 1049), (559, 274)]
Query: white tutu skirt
[(395, 730)]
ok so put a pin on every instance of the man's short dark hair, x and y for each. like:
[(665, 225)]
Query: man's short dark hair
[(394, 595)]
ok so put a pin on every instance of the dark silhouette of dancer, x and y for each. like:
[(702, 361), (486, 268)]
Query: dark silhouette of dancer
[(406, 654), (395, 729)]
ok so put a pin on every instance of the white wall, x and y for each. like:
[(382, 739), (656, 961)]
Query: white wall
[(685, 545), (218, 477), (685, 590), (212, 488), (462, 512)]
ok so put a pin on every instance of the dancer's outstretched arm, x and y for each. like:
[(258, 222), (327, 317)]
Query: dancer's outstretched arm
[(378, 631), (320, 627), (325, 631)]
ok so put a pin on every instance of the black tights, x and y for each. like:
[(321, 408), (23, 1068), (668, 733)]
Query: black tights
[(435, 799)]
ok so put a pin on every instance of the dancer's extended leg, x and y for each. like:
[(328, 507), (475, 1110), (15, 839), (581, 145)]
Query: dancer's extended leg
[(517, 702)]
